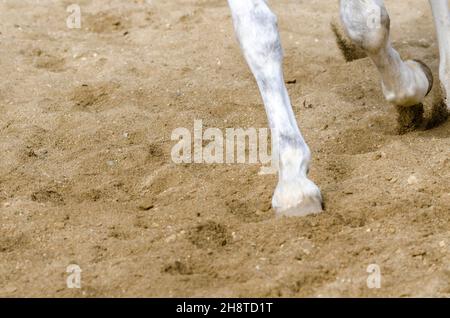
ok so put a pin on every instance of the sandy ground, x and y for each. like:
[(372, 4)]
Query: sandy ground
[(86, 175)]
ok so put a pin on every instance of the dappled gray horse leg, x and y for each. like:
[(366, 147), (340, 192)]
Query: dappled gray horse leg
[(257, 31)]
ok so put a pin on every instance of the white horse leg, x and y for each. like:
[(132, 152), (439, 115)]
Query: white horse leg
[(367, 23), (441, 15), (257, 32)]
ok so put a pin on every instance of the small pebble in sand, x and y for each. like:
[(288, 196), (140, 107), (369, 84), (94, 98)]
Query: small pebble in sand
[(110, 163), (171, 238), (60, 225), (412, 180)]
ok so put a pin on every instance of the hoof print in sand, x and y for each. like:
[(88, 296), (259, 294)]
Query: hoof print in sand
[(43, 60), (250, 211), (45, 196), (178, 268), (105, 22), (94, 98), (209, 235)]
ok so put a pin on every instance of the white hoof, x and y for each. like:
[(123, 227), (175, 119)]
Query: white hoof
[(297, 198)]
